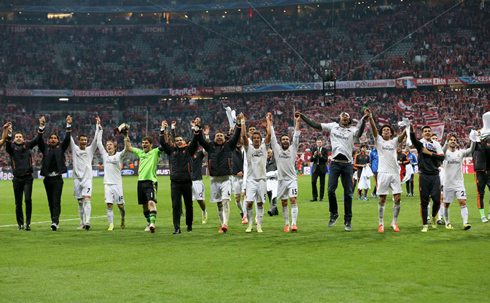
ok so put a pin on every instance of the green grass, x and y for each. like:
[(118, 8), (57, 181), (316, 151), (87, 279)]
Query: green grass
[(317, 264)]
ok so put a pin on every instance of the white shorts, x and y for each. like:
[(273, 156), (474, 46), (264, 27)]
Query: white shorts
[(114, 193), (256, 191), (198, 191), (287, 189), (237, 185), (220, 189), (385, 181), (82, 187), (449, 194)]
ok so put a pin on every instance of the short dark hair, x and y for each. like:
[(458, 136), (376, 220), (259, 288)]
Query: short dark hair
[(18, 133), (147, 138), (426, 126), (283, 135), (219, 132), (82, 135), (256, 133), (452, 136), (389, 126), (363, 145), (58, 137)]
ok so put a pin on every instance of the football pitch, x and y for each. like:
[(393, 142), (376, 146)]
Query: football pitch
[(317, 264)]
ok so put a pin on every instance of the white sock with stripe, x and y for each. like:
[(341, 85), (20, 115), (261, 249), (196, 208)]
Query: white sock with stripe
[(381, 213), (110, 215), (464, 214), (396, 211), (285, 214), (294, 213), (260, 215), (81, 211)]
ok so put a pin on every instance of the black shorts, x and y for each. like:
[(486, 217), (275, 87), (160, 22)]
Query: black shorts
[(147, 191)]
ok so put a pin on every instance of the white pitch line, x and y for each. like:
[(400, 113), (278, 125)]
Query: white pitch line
[(42, 222)]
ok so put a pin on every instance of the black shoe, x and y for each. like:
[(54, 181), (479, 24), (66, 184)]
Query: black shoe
[(348, 227), (270, 213), (177, 231), (321, 199), (408, 195), (21, 227), (189, 229), (333, 220), (87, 226), (440, 222), (54, 227), (313, 200), (28, 227), (275, 212)]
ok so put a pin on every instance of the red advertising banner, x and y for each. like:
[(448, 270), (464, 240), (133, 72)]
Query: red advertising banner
[(483, 79), (424, 82), (439, 81), (18, 92), (206, 91), (400, 84), (99, 93), (454, 81), (184, 92)]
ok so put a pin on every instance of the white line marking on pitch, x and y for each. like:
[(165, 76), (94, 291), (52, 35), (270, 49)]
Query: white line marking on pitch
[(42, 222)]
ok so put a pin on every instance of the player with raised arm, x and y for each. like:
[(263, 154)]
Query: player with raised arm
[(388, 175), (285, 155), (256, 175), (429, 158), (83, 156), (180, 157), (147, 178), (453, 177), (220, 170), (20, 153), (342, 136), (198, 189), (113, 185)]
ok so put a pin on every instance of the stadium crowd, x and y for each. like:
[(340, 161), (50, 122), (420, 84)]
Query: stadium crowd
[(460, 112), (88, 57)]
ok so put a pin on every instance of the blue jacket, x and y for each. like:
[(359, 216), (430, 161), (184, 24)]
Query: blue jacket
[(373, 157), (412, 158)]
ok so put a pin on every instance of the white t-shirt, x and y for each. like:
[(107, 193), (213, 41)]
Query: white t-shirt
[(257, 160), (285, 159), (82, 159), (453, 168), (387, 155), (112, 164), (342, 139)]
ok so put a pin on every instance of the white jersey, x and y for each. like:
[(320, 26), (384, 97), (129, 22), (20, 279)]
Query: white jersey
[(82, 159), (342, 139), (285, 159), (387, 155), (112, 164), (257, 160), (453, 168)]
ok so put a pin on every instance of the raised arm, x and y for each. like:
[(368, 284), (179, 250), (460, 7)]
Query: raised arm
[(374, 129), (66, 141), (200, 137), (413, 138), (99, 140), (243, 132), (9, 148), (193, 144), (40, 141), (4, 133), (163, 142), (93, 145), (360, 131), (311, 123), (237, 132), (470, 150), (127, 144), (69, 121), (268, 127), (402, 136)]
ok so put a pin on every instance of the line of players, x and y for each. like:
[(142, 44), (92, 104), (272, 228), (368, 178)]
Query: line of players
[(185, 179)]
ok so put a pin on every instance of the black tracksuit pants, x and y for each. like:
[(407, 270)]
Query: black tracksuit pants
[(23, 187), (54, 188), (179, 190), (429, 185), (482, 181)]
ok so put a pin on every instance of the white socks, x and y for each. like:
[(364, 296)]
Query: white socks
[(446, 214), (396, 211), (110, 215), (464, 214), (239, 205), (285, 214), (87, 208), (260, 215), (80, 211), (442, 212), (220, 213), (226, 212), (294, 212), (250, 214), (381, 212)]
